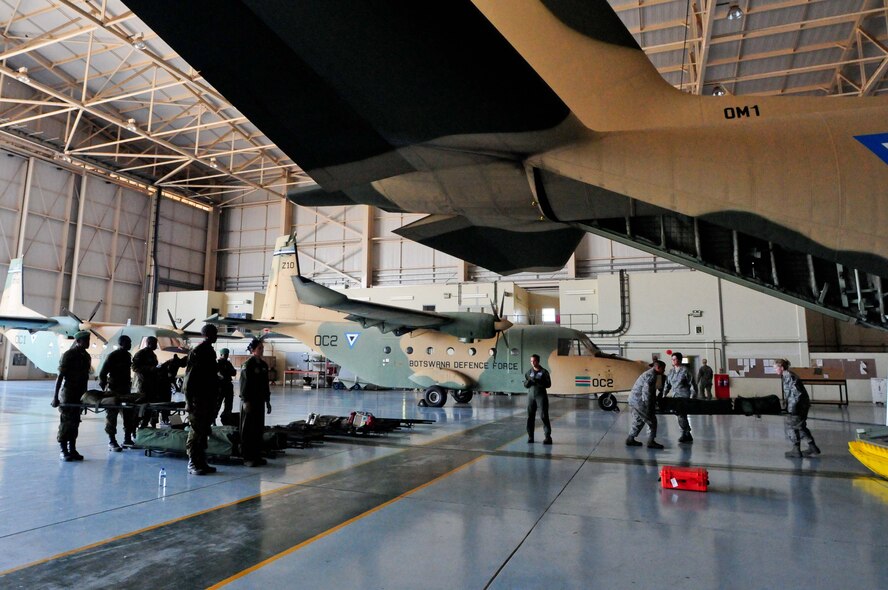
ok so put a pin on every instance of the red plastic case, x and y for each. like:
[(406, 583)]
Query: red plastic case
[(695, 479)]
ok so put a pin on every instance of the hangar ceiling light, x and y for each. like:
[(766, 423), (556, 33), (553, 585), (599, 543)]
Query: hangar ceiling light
[(735, 12)]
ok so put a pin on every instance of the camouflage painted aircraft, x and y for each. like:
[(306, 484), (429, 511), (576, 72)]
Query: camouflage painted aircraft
[(457, 352), (519, 125), (44, 339)]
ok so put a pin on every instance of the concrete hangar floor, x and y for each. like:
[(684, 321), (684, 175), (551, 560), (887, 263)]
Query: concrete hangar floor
[(462, 503)]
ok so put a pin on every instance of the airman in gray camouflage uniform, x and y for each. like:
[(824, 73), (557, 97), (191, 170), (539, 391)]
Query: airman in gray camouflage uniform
[(680, 382), (641, 403), (797, 405)]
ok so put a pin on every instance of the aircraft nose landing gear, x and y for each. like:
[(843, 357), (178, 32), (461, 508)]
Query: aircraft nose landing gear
[(608, 402), (435, 396)]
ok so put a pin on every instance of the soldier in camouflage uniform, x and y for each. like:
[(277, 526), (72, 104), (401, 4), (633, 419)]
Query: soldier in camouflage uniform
[(797, 405), (255, 403), (145, 370), (226, 372), (114, 376), (641, 402), (201, 388), (704, 381), (74, 373), (680, 382), (537, 381)]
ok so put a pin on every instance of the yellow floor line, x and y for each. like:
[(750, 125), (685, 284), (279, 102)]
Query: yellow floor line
[(332, 530)]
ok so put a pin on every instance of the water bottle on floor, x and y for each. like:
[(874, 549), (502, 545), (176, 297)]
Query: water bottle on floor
[(162, 478)]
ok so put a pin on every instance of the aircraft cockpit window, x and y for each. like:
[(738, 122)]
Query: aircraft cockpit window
[(387, 349), (580, 346), (430, 350)]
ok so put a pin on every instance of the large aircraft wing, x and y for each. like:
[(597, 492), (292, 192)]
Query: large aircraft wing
[(239, 323), (27, 323), (387, 318), (358, 92)]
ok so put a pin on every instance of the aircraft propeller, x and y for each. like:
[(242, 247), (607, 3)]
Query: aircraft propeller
[(177, 328), (501, 324), (87, 325)]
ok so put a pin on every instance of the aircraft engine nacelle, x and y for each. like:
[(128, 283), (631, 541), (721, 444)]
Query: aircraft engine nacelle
[(470, 325)]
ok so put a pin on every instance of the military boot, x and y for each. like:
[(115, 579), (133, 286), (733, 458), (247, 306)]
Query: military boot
[(686, 438), (811, 450), (631, 442), (207, 467), (795, 453), (72, 450), (112, 445), (652, 444), (195, 469), (128, 441), (64, 455)]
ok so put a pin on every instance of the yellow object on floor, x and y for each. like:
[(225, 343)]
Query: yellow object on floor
[(874, 457)]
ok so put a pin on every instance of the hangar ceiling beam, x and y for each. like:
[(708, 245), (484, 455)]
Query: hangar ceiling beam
[(701, 28)]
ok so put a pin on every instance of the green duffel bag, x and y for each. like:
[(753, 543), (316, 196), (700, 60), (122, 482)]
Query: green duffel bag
[(222, 441)]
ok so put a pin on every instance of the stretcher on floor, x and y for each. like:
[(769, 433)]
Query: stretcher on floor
[(745, 406), (223, 442)]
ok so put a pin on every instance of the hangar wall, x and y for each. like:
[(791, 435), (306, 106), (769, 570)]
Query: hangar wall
[(84, 239), (355, 246)]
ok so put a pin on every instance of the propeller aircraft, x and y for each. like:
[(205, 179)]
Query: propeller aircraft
[(454, 353), (544, 119), (44, 339)]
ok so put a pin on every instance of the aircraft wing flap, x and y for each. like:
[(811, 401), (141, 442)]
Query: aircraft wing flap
[(498, 249)]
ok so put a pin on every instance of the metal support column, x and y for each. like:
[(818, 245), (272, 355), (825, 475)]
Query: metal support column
[(78, 234)]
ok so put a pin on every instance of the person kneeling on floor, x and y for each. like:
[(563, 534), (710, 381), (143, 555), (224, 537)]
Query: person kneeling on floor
[(642, 401)]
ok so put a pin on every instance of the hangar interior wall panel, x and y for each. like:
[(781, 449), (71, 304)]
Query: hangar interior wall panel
[(246, 240), (331, 243), (113, 250), (12, 172), (49, 239), (181, 246)]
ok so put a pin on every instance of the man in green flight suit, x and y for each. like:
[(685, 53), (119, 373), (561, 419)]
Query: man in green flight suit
[(201, 388), (114, 376), (255, 397), (537, 381), (74, 373)]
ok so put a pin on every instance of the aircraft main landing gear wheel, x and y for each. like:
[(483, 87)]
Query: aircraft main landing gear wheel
[(463, 397), (435, 396), (608, 402)]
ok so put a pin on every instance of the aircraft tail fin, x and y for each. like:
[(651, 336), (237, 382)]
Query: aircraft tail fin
[(282, 302), (12, 301)]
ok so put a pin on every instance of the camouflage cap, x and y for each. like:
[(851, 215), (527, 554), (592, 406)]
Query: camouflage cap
[(81, 335)]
